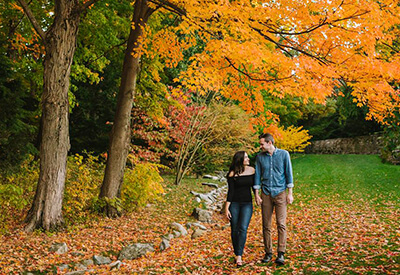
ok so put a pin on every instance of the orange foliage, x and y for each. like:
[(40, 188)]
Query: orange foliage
[(289, 47)]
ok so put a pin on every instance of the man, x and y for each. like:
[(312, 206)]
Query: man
[(273, 176)]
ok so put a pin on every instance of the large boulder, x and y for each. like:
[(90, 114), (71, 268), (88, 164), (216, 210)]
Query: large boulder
[(164, 244), (195, 225), (211, 177), (197, 233), (178, 227), (135, 251), (100, 260), (59, 248), (202, 215)]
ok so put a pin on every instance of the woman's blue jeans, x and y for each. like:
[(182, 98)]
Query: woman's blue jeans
[(241, 214)]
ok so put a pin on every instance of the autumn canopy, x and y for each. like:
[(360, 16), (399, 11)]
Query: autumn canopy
[(299, 48)]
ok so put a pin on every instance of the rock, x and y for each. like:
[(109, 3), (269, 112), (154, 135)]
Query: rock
[(176, 234), (196, 225), (59, 248), (211, 177), (198, 199), (221, 174), (135, 251), (164, 245), (168, 237), (197, 233), (179, 227), (81, 266), (205, 197), (100, 260), (202, 215), (87, 262), (115, 265), (210, 184)]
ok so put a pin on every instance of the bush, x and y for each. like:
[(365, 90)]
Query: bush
[(293, 139), (84, 178), (141, 185), (17, 190), (391, 139)]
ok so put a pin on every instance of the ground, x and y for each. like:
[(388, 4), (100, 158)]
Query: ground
[(340, 223)]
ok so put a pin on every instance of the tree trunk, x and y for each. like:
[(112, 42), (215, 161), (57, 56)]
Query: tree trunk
[(121, 130), (60, 44)]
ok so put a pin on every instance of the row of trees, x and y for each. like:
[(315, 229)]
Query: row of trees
[(242, 51)]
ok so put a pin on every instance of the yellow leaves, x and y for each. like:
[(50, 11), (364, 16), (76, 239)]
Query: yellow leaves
[(81, 186), (141, 186), (293, 139)]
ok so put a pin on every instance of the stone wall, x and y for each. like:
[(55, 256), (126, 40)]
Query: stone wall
[(367, 145)]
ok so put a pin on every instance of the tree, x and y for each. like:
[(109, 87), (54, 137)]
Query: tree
[(16, 132), (95, 74), (339, 117), (251, 46), (120, 133), (59, 40)]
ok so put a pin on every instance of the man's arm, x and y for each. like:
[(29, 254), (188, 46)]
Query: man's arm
[(257, 182), (289, 178)]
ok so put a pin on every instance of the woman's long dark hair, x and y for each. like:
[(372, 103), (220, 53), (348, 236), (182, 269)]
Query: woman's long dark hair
[(237, 163)]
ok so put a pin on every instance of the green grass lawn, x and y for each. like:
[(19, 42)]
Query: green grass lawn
[(348, 177), (346, 215)]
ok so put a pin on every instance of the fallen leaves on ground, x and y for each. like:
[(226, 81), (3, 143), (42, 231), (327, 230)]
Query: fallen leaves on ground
[(325, 235)]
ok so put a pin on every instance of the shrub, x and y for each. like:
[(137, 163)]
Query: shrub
[(391, 139), (293, 139), (141, 185), (84, 177), (17, 190)]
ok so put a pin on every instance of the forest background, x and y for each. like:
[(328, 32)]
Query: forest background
[(128, 91)]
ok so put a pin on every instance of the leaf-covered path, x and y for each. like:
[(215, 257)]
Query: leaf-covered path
[(335, 226)]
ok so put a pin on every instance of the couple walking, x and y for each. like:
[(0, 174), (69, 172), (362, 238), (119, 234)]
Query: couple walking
[(271, 177)]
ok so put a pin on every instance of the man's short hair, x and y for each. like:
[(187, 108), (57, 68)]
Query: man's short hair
[(267, 137)]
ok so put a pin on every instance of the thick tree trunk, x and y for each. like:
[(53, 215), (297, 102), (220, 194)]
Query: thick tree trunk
[(60, 44), (121, 131)]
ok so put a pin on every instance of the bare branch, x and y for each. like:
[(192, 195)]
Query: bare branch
[(32, 18)]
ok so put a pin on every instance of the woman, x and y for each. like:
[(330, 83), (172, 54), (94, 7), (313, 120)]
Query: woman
[(239, 206)]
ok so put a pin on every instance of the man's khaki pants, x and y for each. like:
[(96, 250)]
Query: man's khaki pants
[(268, 204)]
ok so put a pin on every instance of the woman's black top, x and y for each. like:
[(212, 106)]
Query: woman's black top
[(239, 188)]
